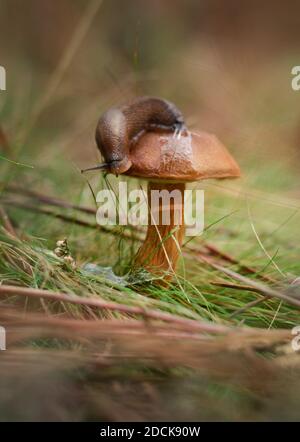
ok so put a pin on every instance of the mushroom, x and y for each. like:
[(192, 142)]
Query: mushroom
[(167, 162)]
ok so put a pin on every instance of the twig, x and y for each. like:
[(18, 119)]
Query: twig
[(22, 328), (217, 252), (92, 328), (267, 291), (246, 288), (201, 326), (57, 202), (236, 286), (248, 306), (70, 219), (51, 201)]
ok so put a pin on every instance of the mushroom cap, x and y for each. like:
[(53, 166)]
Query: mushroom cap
[(188, 157)]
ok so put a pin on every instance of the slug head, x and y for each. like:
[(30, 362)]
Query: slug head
[(112, 142), (114, 167)]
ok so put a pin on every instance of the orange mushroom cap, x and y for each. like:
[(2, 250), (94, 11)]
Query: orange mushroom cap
[(190, 156)]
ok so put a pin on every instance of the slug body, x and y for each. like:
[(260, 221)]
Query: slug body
[(119, 127)]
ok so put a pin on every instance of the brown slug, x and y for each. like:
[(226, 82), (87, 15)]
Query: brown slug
[(119, 127)]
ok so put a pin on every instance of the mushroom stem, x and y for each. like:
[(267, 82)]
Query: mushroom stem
[(160, 251)]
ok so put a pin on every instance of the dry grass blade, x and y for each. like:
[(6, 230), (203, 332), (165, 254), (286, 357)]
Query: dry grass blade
[(72, 220), (248, 306), (215, 251), (202, 326), (51, 201), (35, 325), (7, 222), (267, 291), (236, 286), (246, 288)]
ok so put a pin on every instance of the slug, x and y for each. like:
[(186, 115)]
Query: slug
[(119, 127)]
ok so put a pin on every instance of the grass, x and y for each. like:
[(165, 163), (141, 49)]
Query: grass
[(234, 225)]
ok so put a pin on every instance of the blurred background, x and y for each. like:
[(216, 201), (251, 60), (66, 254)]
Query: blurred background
[(227, 66)]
